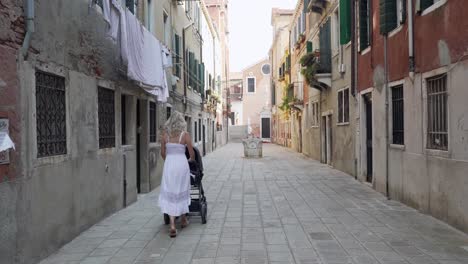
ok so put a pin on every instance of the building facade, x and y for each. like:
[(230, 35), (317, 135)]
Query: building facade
[(86, 135), (280, 21), (412, 58)]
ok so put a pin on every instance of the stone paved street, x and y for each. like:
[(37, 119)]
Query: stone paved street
[(283, 208)]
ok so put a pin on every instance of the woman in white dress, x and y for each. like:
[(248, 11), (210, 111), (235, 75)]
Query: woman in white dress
[(174, 198)]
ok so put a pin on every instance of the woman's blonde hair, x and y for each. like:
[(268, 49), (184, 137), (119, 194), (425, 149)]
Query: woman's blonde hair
[(176, 123)]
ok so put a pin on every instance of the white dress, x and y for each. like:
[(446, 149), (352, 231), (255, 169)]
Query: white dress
[(174, 196)]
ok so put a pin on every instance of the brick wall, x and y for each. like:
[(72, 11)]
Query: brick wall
[(11, 38)]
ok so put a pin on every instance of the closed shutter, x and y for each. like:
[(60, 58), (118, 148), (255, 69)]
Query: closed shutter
[(191, 67), (310, 47), (364, 24), (388, 16), (197, 76), (202, 75), (177, 52), (345, 21), (325, 48)]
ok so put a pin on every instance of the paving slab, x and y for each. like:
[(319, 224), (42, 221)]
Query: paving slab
[(283, 208)]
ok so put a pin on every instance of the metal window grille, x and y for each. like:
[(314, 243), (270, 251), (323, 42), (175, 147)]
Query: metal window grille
[(346, 106), (152, 121), (437, 134), (168, 112), (50, 115), (199, 130), (398, 135), (196, 131), (106, 115)]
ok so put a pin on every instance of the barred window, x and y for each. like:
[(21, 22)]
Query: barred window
[(106, 116), (51, 125), (437, 134), (196, 132), (152, 121), (168, 112), (398, 134), (123, 118), (343, 106)]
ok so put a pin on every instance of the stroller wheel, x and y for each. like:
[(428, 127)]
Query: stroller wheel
[(167, 220), (203, 212)]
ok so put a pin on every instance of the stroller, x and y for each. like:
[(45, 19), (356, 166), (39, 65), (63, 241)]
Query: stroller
[(198, 205)]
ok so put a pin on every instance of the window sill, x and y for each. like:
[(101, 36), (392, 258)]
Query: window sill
[(44, 161), (106, 151), (347, 45), (438, 153), (433, 7), (366, 50), (315, 126), (343, 124), (128, 147), (397, 147), (395, 31)]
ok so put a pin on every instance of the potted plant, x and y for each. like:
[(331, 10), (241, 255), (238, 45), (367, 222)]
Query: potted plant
[(309, 63)]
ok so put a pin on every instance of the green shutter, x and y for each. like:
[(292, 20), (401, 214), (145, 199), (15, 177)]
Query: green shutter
[(345, 21), (364, 24), (388, 16), (306, 4), (310, 47), (196, 74), (424, 4), (191, 67), (177, 51), (202, 90)]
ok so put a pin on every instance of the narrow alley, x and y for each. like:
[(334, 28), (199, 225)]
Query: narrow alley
[(283, 208)]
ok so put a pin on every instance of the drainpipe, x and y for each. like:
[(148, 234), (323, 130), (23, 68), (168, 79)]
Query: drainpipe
[(411, 40), (387, 188), (354, 67), (29, 13)]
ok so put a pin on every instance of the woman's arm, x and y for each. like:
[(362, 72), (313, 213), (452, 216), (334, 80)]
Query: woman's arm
[(188, 141), (163, 145)]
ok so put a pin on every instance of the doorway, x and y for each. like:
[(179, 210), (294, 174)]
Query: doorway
[(327, 139), (266, 128), (138, 146), (369, 149)]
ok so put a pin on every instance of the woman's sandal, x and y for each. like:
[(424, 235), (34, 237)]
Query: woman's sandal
[(172, 232), (185, 223)]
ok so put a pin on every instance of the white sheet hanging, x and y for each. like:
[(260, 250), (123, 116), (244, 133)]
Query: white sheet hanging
[(106, 11), (167, 57)]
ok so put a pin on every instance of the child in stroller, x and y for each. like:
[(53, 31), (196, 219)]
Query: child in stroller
[(198, 205)]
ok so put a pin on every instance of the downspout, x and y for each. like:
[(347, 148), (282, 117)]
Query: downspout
[(411, 40), (387, 188), (354, 71), (29, 13)]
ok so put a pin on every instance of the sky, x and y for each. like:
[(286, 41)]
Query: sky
[(250, 30)]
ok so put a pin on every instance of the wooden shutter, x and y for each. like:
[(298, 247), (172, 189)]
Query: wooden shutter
[(388, 16), (325, 47), (306, 4), (345, 21), (177, 52), (310, 47), (364, 24)]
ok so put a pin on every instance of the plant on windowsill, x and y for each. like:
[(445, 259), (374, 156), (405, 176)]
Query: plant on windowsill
[(301, 38), (310, 65)]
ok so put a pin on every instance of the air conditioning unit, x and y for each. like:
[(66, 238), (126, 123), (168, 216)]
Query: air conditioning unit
[(342, 68)]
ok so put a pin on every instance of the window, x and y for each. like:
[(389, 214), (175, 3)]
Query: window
[(345, 21), (266, 69), (123, 119), (251, 85), (392, 14), (398, 135), (152, 121), (437, 115), (50, 115), (199, 130), (168, 112), (343, 106), (196, 132), (315, 114), (149, 15), (177, 68), (188, 8), (131, 5), (364, 24), (425, 4), (106, 116)]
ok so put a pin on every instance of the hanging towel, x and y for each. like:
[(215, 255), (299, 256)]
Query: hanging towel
[(114, 24), (167, 57)]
